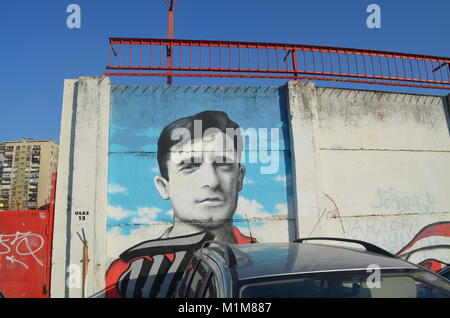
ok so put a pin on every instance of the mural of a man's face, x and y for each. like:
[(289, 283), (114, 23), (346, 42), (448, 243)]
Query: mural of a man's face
[(203, 185)]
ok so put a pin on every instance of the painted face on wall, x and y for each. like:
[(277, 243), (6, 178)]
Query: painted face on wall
[(205, 178)]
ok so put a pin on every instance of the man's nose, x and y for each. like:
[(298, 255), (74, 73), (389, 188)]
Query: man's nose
[(208, 176)]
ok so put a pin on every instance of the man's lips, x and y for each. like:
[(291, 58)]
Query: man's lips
[(210, 200)]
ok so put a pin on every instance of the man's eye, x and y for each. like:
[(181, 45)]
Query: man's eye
[(224, 165), (190, 166)]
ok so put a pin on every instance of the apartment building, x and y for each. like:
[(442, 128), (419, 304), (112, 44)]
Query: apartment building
[(26, 168)]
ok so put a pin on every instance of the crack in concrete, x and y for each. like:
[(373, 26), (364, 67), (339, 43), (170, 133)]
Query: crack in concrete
[(381, 149), (389, 215)]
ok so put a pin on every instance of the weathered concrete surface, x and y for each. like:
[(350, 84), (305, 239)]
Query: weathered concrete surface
[(393, 149), (82, 186), (366, 120), (63, 190), (304, 131), (364, 157)]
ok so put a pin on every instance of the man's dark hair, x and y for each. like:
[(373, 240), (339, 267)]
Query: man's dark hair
[(209, 119)]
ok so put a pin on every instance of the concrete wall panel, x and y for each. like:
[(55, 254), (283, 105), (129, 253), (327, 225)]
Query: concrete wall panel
[(373, 166), (353, 119), (80, 210), (387, 182), (367, 165)]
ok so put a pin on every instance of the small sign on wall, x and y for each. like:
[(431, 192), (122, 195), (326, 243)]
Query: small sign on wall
[(81, 216)]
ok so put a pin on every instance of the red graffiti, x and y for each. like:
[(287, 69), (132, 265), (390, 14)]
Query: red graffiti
[(441, 229)]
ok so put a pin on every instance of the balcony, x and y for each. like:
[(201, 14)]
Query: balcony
[(7, 169), (6, 187)]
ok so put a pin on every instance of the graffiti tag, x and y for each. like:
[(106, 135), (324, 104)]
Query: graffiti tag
[(13, 260), (22, 244), (390, 234), (390, 199)]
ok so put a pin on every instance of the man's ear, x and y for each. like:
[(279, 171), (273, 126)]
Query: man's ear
[(162, 185), (241, 177)]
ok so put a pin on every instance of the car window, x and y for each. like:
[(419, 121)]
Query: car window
[(415, 284)]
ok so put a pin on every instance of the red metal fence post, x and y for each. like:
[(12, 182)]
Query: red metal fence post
[(169, 46), (294, 63)]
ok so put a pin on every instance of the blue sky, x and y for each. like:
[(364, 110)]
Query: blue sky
[(38, 51)]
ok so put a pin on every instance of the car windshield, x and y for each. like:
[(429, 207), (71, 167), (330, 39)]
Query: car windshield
[(407, 284)]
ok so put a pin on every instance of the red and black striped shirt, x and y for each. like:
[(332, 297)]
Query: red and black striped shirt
[(154, 268)]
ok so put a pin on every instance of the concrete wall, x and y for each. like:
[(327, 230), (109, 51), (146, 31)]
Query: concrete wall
[(373, 166), (80, 205), (359, 164)]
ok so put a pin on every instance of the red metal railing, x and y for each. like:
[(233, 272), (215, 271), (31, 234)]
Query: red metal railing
[(203, 58)]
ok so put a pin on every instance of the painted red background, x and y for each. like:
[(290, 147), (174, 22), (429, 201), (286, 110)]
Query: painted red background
[(23, 232), (25, 251)]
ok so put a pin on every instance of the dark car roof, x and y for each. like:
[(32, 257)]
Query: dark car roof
[(269, 259)]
